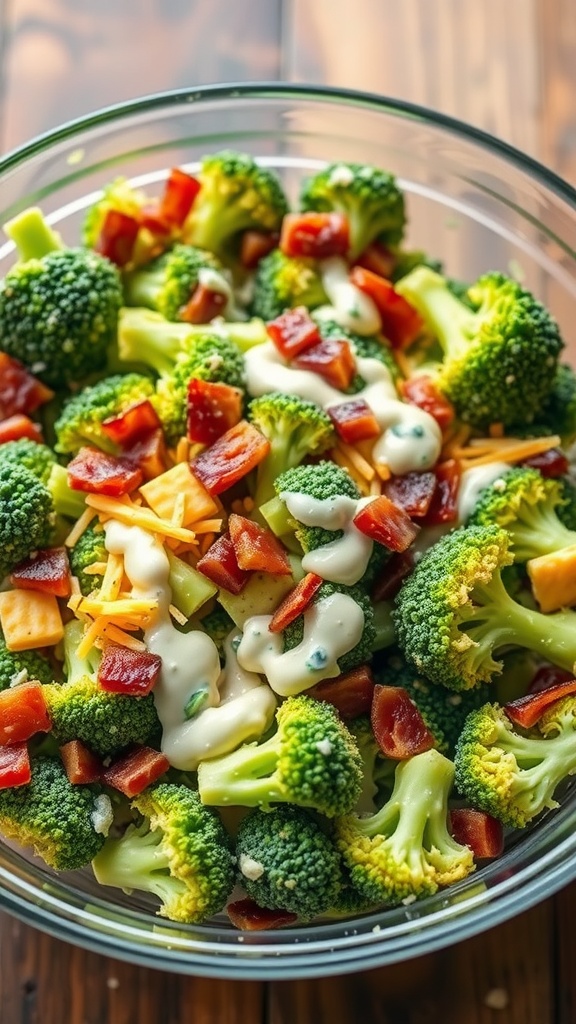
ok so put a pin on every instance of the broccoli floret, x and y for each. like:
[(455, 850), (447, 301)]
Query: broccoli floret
[(55, 817), (236, 194), (80, 710), (500, 360), (218, 625), (20, 666), (168, 281), (312, 760), (369, 198), (320, 480), (283, 282), (513, 774), (525, 504), (404, 850), (443, 710), (88, 549), (453, 614), (180, 852), (295, 428), (287, 861), (36, 457), (26, 515), (58, 306), (559, 410), (82, 416), (363, 650), (566, 511)]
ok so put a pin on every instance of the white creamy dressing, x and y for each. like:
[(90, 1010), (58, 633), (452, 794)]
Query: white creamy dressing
[(235, 706), (332, 627), (411, 439), (350, 306), (475, 480), (345, 559), (216, 282)]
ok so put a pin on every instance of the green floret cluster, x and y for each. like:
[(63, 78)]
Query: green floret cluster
[(513, 773), (218, 625), (321, 480), (179, 852), (168, 281), (287, 860), (283, 282), (26, 515), (500, 359), (105, 722), (88, 549), (80, 421), (53, 816), (37, 458), (21, 666), (369, 198), (559, 409)]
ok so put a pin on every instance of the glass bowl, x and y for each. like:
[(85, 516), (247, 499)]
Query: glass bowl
[(477, 204)]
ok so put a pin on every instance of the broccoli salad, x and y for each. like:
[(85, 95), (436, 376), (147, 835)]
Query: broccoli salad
[(288, 550)]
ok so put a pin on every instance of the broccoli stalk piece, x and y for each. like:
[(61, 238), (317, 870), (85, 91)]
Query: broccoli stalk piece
[(404, 850), (105, 722), (80, 421), (180, 853), (453, 613), (59, 820), (20, 666), (510, 774), (58, 306), (282, 282), (236, 194), (168, 281), (287, 861), (369, 198), (526, 505), (295, 428), (499, 360), (312, 760)]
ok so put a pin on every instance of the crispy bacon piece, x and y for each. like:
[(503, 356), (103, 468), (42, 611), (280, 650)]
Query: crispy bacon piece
[(122, 670), (444, 505), (23, 713), (14, 766), (257, 548), (528, 710), (548, 675), (413, 492), (100, 473), (377, 258), (133, 772), (401, 323), (47, 570), (117, 237), (220, 565), (293, 331), (386, 523), (18, 426), (397, 724), (248, 916), (149, 454), (354, 420), (212, 408), (551, 463), (255, 245), (20, 391), (133, 424), (332, 359), (351, 694), (314, 234), (422, 391), (231, 457), (80, 764), (295, 603), (478, 830), (203, 305), (180, 191)]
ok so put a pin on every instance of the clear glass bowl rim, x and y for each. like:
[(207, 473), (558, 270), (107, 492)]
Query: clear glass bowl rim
[(340, 946)]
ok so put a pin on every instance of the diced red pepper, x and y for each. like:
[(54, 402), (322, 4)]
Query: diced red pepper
[(354, 420), (212, 408), (149, 454), (101, 473), (444, 505), (478, 830), (48, 570), (314, 234), (133, 772), (255, 245), (256, 548), (117, 237), (293, 331), (332, 359), (131, 425), (391, 577), (422, 391), (19, 426), (122, 670), (246, 915), (552, 463), (220, 565), (231, 457), (351, 694), (378, 259), (23, 713), (180, 191), (295, 603), (401, 323), (80, 764), (528, 710), (386, 523), (413, 492), (397, 724), (548, 675), (20, 391), (14, 766), (203, 305)]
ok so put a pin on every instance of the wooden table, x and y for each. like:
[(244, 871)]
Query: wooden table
[(508, 67)]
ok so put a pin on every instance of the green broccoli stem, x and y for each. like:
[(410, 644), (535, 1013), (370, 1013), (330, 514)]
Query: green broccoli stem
[(76, 668), (543, 763), (136, 861), (32, 235), (141, 288), (383, 625), (538, 531), (146, 337), (67, 502), (215, 223), (190, 589), (242, 777), (449, 320)]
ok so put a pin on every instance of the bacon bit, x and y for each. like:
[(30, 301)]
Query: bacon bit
[(18, 426), (386, 523), (255, 245), (377, 258), (351, 694), (117, 238), (211, 409), (401, 323), (125, 671), (318, 235), (132, 424), (47, 570), (478, 830), (332, 359), (231, 457), (248, 916), (20, 391), (257, 548), (180, 191), (133, 772), (23, 713), (293, 331), (15, 767), (388, 583), (220, 565), (444, 505), (551, 464), (548, 675), (81, 766), (203, 305), (413, 492), (528, 710), (295, 603), (398, 726), (354, 420), (422, 391), (98, 472)]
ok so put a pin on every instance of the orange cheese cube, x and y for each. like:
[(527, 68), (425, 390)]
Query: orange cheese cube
[(29, 619), (553, 579)]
